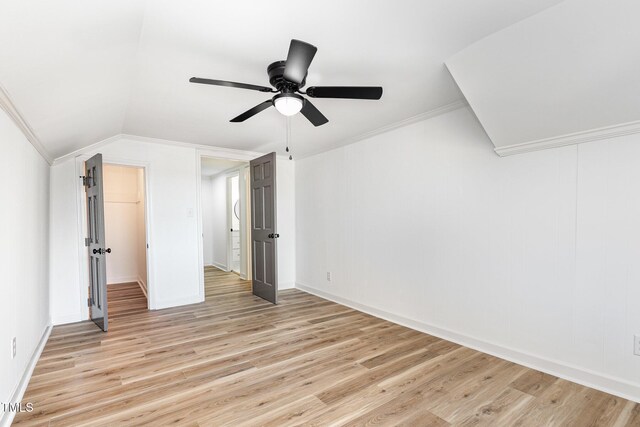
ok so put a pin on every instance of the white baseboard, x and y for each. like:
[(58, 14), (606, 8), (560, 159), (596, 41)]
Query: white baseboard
[(143, 286), (596, 380), (18, 394), (178, 302), (123, 279), (220, 266)]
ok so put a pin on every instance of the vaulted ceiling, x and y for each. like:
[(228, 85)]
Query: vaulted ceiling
[(566, 75), (81, 71)]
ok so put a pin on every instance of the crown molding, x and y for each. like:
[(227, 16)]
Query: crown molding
[(597, 134), (212, 151), (7, 105), (402, 123), (86, 149), (203, 150)]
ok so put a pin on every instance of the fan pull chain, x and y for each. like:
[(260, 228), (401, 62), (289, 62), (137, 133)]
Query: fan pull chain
[(289, 136)]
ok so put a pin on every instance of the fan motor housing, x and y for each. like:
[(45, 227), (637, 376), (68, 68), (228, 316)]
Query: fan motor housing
[(276, 77)]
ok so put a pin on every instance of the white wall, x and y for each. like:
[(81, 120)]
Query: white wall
[(532, 257), (286, 221), (124, 223), (207, 220), (174, 253), (24, 249)]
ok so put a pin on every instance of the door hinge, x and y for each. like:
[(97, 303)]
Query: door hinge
[(88, 302), (86, 241)]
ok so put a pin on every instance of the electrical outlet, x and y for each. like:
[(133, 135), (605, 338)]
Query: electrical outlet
[(328, 276), (636, 345), (14, 349)]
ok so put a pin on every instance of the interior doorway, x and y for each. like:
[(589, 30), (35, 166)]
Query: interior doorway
[(225, 230), (126, 236)]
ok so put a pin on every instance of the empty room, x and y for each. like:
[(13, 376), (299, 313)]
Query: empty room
[(339, 213)]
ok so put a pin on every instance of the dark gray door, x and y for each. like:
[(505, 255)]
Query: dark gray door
[(263, 227), (95, 242)]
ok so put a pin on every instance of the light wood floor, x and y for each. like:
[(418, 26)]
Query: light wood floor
[(220, 283), (238, 360), (125, 299)]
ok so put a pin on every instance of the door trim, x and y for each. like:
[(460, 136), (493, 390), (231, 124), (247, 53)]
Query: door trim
[(229, 177), (245, 227), (81, 210), (216, 154)]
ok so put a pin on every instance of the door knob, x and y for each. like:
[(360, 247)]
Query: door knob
[(273, 236), (108, 250), (97, 251)]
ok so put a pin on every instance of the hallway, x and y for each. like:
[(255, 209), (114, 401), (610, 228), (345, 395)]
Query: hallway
[(218, 282)]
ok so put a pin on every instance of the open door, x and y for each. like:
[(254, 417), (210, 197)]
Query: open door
[(93, 185), (263, 228)]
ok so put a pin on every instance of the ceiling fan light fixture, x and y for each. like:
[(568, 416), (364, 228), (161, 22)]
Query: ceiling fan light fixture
[(287, 77), (288, 104)]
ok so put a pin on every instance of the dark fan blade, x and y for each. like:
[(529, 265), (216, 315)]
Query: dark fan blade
[(230, 84), (313, 114), (349, 92), (298, 60), (252, 112)]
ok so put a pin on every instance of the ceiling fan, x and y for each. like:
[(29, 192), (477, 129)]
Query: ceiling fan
[(288, 77)]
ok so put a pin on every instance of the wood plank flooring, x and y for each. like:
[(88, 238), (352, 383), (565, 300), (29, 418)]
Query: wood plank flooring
[(237, 360), (219, 283), (125, 299)]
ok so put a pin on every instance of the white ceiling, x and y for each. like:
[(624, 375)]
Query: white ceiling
[(82, 71), (572, 68), (211, 166)]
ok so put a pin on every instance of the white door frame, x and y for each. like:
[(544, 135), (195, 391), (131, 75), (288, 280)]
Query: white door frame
[(243, 196), (217, 154), (82, 228), (229, 178), (245, 223)]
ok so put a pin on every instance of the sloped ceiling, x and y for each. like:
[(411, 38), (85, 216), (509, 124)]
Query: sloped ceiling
[(81, 71), (568, 74)]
